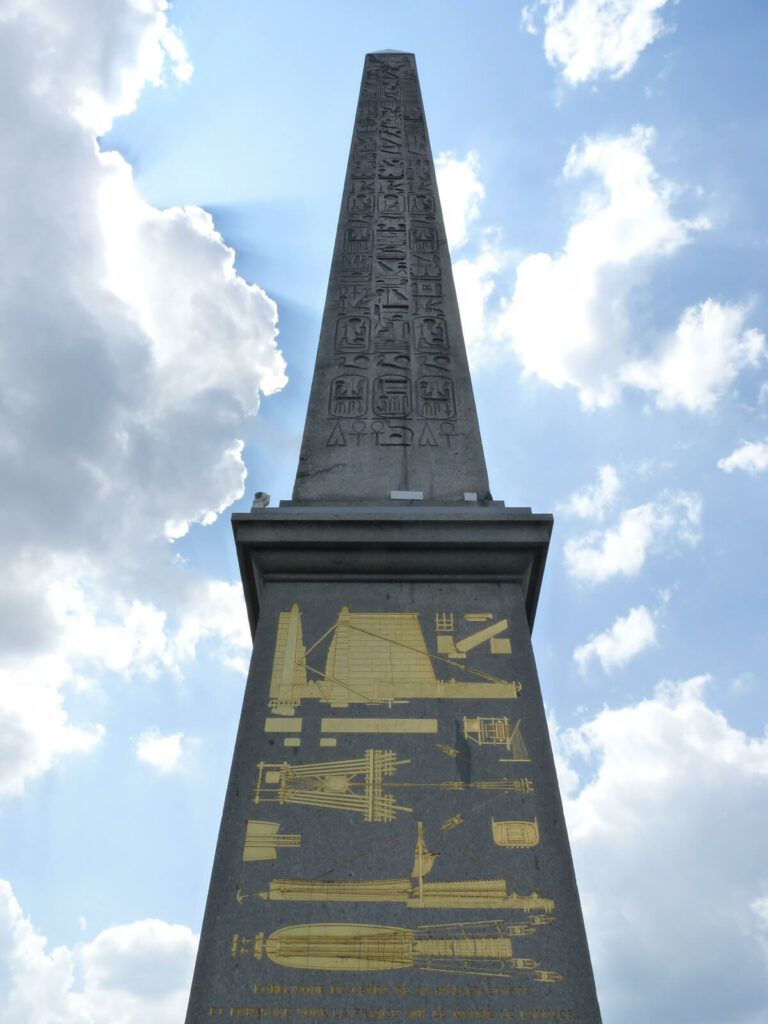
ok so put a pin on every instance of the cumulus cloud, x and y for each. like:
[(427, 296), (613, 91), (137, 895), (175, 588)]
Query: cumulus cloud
[(592, 502), (475, 279), (567, 319), (133, 356), (92, 631), (751, 456), (588, 38), (627, 637), (128, 974), (621, 550), (474, 273), (461, 192), (672, 870), (694, 365)]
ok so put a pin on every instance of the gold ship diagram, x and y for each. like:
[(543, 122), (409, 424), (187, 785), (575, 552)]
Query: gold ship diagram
[(470, 947), (414, 891), (381, 658)]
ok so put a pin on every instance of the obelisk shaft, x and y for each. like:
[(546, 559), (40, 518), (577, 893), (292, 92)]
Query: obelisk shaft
[(393, 844), (391, 406)]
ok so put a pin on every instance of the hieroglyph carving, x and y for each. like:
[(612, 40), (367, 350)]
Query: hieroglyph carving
[(390, 313)]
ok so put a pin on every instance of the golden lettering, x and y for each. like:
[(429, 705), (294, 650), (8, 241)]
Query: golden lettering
[(275, 989), (259, 1011), (546, 1015), (369, 990)]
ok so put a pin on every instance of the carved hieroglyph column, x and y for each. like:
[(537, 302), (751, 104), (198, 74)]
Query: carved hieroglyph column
[(391, 406), (392, 844)]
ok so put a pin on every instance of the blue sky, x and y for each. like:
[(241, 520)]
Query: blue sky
[(170, 182)]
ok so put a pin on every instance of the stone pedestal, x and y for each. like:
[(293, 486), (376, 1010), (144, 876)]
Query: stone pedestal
[(392, 844)]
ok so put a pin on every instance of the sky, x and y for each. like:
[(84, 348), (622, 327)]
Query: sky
[(170, 182)]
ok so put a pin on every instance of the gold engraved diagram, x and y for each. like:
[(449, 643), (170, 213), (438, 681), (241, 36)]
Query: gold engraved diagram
[(453, 822), (515, 835), (247, 945), (412, 891), (351, 785), (469, 947), (374, 658), (400, 726), (496, 732), (262, 840), (447, 749), (356, 784), (447, 644)]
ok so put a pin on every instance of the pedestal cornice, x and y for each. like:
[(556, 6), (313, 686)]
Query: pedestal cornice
[(417, 544)]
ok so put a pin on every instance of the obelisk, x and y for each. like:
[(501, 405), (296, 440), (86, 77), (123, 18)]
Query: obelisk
[(392, 844)]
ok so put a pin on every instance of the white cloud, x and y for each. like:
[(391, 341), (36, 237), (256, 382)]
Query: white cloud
[(475, 280), (592, 502), (35, 730), (567, 319), (474, 275), (161, 752), (591, 37), (671, 858), (627, 637), (133, 357), (623, 548), (693, 367), (128, 974), (214, 609), (91, 630), (460, 194), (751, 456)]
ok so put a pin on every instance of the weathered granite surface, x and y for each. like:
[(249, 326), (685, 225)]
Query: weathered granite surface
[(393, 698)]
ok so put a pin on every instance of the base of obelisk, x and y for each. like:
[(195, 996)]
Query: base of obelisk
[(392, 844)]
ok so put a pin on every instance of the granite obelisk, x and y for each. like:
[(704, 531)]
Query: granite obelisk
[(392, 843)]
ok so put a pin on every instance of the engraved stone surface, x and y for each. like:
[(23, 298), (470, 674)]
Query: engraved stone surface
[(393, 842), (391, 354)]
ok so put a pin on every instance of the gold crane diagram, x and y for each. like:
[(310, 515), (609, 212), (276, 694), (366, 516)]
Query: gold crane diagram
[(356, 784), (376, 658), (496, 732), (468, 947), (412, 891)]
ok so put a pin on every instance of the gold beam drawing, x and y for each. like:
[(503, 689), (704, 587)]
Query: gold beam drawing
[(282, 724), (379, 725)]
